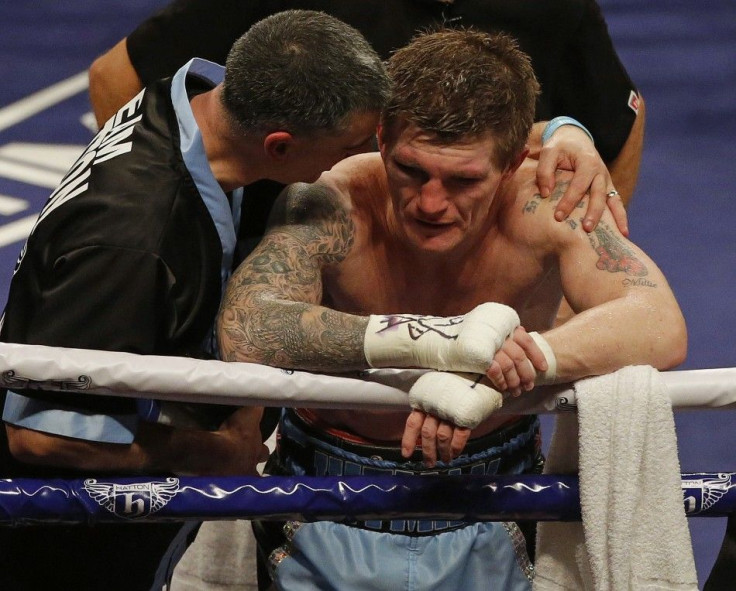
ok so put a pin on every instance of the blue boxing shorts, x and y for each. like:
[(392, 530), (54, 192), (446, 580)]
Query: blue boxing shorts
[(399, 554)]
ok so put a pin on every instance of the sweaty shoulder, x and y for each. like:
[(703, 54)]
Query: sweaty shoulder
[(361, 180), (330, 199), (357, 176)]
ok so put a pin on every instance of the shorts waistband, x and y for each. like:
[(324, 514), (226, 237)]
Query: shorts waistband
[(303, 449), (325, 454)]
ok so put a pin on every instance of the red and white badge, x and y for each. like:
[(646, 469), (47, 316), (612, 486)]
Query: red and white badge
[(634, 102)]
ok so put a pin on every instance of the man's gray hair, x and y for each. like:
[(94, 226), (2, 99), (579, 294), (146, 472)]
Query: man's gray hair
[(302, 71)]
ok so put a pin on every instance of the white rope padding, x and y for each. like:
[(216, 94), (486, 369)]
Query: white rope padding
[(192, 380)]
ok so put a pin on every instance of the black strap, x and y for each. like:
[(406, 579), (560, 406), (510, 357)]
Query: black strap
[(723, 575)]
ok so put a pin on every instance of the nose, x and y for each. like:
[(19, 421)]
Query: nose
[(432, 199)]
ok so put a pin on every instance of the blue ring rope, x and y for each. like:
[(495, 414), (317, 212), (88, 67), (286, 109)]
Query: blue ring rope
[(315, 498)]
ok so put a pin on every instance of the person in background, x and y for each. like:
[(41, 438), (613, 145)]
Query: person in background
[(721, 577), (571, 50)]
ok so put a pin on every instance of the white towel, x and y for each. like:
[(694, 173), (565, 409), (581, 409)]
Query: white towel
[(634, 533)]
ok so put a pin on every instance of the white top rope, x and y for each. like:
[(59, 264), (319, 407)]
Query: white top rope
[(192, 380)]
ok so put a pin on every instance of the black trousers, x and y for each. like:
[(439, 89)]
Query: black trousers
[(723, 575), (112, 557)]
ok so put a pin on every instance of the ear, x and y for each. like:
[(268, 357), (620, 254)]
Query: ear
[(516, 163), (277, 144), (379, 138)]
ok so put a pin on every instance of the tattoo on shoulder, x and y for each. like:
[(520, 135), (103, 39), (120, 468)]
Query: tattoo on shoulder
[(321, 221), (532, 204), (268, 312), (559, 190), (314, 230), (615, 256)]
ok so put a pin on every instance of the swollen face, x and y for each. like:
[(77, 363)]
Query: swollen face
[(441, 194)]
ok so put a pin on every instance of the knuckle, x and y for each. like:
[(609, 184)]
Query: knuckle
[(520, 334), (507, 365), (494, 371), (443, 436), (414, 420), (518, 357)]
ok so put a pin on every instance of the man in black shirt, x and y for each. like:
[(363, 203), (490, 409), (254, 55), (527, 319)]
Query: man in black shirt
[(573, 56)]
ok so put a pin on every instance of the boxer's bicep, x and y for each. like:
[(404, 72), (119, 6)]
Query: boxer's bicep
[(311, 228), (603, 265), (626, 313), (271, 311)]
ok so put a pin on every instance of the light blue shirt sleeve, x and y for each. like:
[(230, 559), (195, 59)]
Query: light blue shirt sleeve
[(67, 421)]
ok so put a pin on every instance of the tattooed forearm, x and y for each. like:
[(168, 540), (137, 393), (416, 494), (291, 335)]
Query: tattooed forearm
[(615, 256), (293, 335), (271, 313)]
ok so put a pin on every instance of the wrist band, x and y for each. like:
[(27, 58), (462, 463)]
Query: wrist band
[(547, 377), (558, 122)]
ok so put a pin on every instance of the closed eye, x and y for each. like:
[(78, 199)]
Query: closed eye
[(411, 171), (464, 181), (406, 169)]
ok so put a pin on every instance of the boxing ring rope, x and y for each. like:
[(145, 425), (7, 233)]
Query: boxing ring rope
[(218, 382), (315, 498), (175, 379)]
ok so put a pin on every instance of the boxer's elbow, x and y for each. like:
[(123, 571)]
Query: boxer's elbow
[(227, 331), (30, 447), (672, 342)]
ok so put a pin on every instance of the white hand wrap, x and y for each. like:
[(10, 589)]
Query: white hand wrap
[(458, 398), (456, 343), (547, 377)]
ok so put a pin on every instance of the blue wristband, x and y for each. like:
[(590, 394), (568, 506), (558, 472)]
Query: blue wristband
[(558, 122)]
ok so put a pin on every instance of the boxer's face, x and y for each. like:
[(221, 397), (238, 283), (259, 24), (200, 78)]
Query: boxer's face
[(441, 194)]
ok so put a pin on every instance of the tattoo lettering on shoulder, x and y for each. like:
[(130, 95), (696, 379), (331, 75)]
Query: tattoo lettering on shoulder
[(559, 190), (615, 256), (531, 205)]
